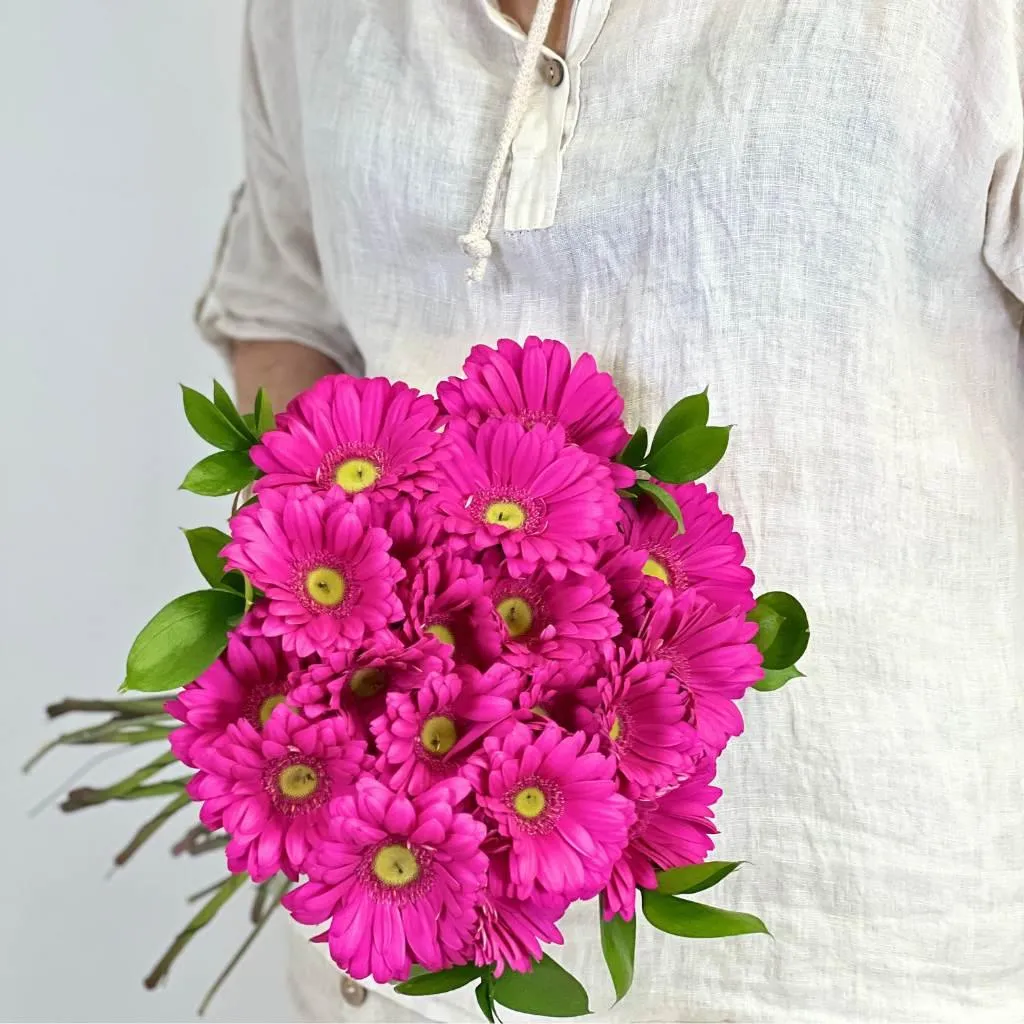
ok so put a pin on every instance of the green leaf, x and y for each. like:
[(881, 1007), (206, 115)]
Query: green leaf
[(439, 981), (210, 423), (697, 920), (485, 999), (233, 581), (219, 474), (635, 452), (618, 941), (205, 543), (662, 499), (223, 401), (695, 877), (686, 414), (549, 990), (776, 678), (181, 640), (264, 414), (688, 456), (782, 633)]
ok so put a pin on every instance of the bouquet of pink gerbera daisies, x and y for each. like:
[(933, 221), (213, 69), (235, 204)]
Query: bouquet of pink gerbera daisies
[(462, 662)]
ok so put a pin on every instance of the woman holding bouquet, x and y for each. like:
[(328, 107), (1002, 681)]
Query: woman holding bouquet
[(817, 211)]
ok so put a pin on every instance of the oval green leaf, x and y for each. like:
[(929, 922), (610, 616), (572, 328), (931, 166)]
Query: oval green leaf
[(688, 456), (439, 981), (549, 990), (697, 920), (635, 452), (695, 877), (234, 581), (687, 413), (782, 633), (220, 474), (618, 942), (206, 543), (222, 400), (264, 414), (776, 678), (485, 999), (662, 499), (182, 640), (210, 423)]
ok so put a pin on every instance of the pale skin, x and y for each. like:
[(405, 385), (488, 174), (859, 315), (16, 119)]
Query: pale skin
[(284, 368)]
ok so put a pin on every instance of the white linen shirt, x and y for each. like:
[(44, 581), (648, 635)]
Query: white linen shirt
[(814, 209)]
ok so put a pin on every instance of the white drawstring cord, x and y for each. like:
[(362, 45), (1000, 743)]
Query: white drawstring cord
[(475, 243)]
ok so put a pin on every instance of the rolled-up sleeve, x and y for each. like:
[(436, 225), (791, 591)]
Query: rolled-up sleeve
[(1004, 228), (266, 283)]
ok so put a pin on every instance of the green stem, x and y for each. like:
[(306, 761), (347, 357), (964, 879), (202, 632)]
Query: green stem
[(275, 899), (203, 893), (90, 734), (248, 594), (145, 772), (199, 840), (225, 890), (115, 730), (124, 708), (88, 797), (259, 901), (151, 826)]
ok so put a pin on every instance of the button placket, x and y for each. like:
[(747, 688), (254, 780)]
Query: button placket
[(535, 166)]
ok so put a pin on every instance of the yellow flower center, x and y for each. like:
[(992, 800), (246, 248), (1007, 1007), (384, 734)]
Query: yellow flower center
[(529, 802), (443, 633), (298, 781), (326, 586), (355, 475), (616, 730), (267, 707), (517, 615), (505, 513), (438, 734), (655, 569), (366, 682), (396, 866)]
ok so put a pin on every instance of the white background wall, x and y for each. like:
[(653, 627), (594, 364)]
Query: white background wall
[(118, 151)]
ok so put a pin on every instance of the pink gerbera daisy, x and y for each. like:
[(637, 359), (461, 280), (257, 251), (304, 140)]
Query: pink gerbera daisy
[(426, 735), (509, 931), (673, 830), (354, 436), (707, 557), (413, 526), (325, 570), (269, 790), (677, 827), (555, 796), (712, 658), (551, 689), (545, 618), (357, 682), (641, 716), (398, 878), (537, 383), (444, 599), (247, 681), (527, 491), (622, 567)]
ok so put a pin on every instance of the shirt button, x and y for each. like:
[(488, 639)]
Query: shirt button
[(552, 71), (353, 993)]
